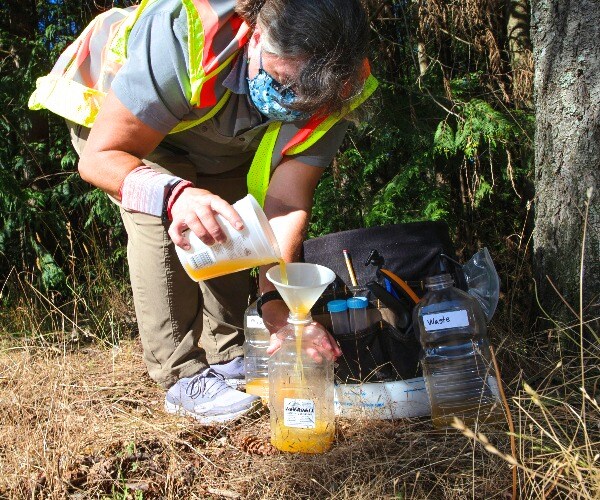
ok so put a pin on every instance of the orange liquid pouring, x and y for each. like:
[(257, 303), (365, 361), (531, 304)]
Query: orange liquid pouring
[(283, 269), (298, 310)]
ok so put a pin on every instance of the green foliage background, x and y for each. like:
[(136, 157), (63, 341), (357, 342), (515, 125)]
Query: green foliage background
[(452, 142)]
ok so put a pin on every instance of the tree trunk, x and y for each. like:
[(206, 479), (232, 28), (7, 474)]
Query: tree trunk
[(565, 36), (422, 58), (519, 49)]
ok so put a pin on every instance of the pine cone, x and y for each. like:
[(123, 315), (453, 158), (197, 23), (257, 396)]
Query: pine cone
[(254, 445)]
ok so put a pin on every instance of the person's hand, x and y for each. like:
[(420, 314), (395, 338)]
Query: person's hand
[(323, 345), (196, 209)]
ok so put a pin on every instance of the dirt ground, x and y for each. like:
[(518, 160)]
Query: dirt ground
[(89, 423)]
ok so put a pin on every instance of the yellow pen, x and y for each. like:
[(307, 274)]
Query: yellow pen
[(350, 268)]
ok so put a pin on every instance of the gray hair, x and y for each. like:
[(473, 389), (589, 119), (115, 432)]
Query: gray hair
[(330, 36)]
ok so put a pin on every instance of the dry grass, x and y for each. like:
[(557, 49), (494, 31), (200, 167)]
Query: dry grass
[(85, 421), (89, 423)]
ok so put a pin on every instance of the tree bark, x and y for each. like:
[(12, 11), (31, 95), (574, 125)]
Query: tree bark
[(422, 58), (519, 50), (566, 53)]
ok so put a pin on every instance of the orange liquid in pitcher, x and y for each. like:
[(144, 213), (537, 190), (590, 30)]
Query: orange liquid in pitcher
[(225, 267)]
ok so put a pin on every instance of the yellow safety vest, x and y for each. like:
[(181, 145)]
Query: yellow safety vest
[(80, 79)]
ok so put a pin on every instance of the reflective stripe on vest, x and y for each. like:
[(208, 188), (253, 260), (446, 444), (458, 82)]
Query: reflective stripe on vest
[(259, 174), (68, 90), (118, 42), (76, 90), (78, 83), (260, 170)]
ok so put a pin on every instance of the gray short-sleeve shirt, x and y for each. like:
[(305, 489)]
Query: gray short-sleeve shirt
[(154, 85)]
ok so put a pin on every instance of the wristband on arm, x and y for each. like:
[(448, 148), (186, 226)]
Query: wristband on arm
[(176, 190), (267, 297), (148, 191)]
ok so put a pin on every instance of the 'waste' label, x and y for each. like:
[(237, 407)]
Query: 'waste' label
[(441, 321)]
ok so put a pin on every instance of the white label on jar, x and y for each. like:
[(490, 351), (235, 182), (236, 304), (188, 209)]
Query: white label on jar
[(238, 246), (449, 319), (299, 413), (254, 322)]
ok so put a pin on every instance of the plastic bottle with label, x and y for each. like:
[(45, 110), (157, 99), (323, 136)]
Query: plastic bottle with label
[(456, 359), (256, 359), (301, 391)]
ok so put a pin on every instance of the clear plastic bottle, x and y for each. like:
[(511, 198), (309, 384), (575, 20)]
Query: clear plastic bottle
[(338, 311), (456, 358), (256, 359), (357, 312), (301, 391)]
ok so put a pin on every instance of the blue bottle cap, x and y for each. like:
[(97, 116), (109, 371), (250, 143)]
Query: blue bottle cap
[(336, 306), (357, 303)]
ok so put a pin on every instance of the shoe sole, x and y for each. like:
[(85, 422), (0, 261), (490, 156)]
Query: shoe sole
[(209, 419)]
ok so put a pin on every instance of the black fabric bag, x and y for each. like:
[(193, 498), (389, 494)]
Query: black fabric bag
[(413, 251)]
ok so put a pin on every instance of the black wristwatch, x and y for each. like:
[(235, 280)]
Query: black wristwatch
[(266, 297)]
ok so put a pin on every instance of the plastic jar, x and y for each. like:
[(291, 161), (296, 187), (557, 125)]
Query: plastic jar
[(301, 392), (338, 311), (357, 311), (456, 359), (256, 359)]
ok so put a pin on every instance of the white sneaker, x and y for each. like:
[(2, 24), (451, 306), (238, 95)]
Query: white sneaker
[(233, 372), (208, 399)]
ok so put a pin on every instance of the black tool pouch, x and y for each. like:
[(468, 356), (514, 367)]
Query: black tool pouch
[(379, 353), (385, 351)]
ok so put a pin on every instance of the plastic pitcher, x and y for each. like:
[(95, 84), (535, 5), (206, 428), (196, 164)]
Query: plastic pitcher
[(255, 245)]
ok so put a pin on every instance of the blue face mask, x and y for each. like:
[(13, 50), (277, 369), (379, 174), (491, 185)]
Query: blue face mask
[(272, 98)]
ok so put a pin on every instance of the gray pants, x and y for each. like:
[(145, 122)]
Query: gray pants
[(183, 325)]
